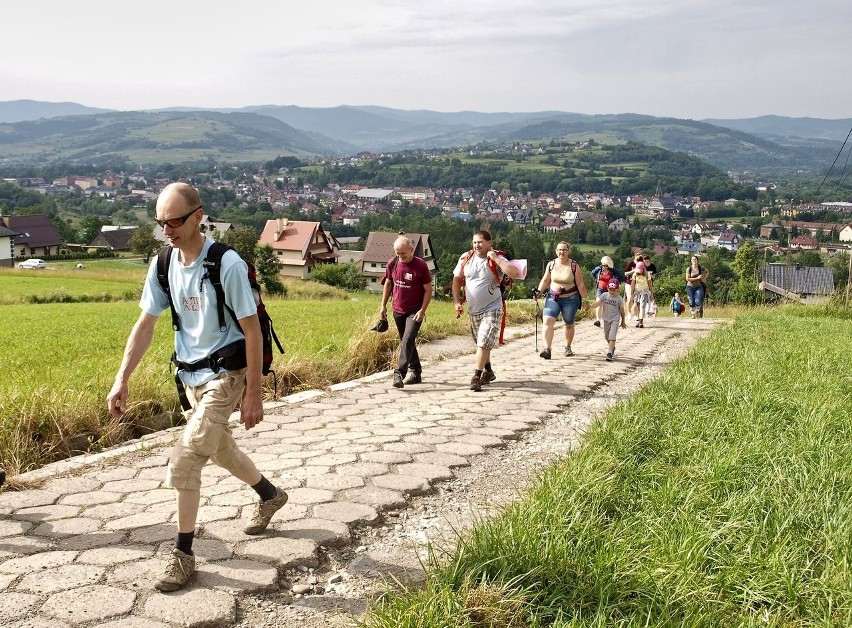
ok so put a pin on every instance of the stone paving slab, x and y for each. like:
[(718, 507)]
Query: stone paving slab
[(83, 546)]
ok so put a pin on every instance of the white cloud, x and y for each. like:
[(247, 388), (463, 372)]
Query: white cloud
[(685, 58)]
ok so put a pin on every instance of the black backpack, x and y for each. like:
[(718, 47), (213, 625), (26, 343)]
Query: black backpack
[(228, 357)]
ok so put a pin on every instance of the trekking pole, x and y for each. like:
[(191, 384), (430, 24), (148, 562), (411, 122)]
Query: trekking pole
[(535, 298)]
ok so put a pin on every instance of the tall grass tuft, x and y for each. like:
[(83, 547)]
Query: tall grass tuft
[(720, 495)]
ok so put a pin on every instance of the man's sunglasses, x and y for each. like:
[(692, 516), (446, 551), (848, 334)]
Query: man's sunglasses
[(174, 223)]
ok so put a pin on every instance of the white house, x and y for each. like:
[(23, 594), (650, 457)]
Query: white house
[(729, 240), (7, 246)]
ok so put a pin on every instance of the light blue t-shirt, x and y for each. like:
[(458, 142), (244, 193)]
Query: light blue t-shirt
[(195, 302), (481, 288)]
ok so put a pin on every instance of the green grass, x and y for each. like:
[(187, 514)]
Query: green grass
[(719, 495), (58, 359), (100, 280)]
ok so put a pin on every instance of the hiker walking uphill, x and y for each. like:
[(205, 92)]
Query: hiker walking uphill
[(563, 280), (476, 279), (408, 280), (602, 275), (695, 287), (614, 314), (219, 368)]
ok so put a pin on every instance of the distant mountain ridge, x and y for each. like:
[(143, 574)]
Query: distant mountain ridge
[(33, 130), (12, 111)]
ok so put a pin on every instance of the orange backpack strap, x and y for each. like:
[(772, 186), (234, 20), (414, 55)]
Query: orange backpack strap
[(465, 258)]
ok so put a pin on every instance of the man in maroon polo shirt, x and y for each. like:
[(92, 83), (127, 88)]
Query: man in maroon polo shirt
[(408, 280)]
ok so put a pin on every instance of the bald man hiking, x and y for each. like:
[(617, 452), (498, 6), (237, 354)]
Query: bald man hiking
[(408, 282), (217, 368)]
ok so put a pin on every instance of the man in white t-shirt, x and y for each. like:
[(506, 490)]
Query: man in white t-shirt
[(478, 273), (213, 394)]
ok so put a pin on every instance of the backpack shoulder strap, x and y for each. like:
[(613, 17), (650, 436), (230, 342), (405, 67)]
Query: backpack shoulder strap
[(498, 274), (465, 258), (390, 266), (213, 267), (164, 260)]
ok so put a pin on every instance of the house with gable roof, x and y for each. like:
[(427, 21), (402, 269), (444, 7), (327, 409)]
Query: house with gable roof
[(804, 242), (729, 240), (112, 238), (379, 249), (553, 224), (299, 246), (36, 236)]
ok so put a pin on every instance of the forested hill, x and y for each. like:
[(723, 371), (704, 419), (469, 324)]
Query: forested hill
[(618, 169), (31, 133), (158, 137)]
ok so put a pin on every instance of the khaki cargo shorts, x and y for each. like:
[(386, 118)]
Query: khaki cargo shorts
[(207, 435)]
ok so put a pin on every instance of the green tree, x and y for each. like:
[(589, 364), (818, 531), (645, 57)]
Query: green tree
[(267, 271), (244, 241), (90, 226), (745, 264), (143, 242), (809, 258)]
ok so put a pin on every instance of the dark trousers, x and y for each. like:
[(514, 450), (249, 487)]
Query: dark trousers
[(407, 328)]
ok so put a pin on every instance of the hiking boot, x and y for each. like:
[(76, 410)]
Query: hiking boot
[(609, 356), (264, 511), (413, 378), (597, 323), (641, 324), (177, 573), (397, 380), (487, 377), (545, 354), (568, 352), (475, 383)]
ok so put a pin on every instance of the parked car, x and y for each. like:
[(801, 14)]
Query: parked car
[(33, 264)]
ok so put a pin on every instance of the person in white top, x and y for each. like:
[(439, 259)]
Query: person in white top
[(478, 273)]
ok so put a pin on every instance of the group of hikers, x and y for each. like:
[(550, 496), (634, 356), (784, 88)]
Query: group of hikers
[(478, 278), (219, 367)]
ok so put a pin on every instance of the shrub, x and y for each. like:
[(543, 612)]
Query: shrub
[(344, 276)]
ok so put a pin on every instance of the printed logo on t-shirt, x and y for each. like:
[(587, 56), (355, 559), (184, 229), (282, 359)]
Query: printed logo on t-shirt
[(191, 304), (408, 276)]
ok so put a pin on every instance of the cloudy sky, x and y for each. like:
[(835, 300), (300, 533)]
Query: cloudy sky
[(683, 58)]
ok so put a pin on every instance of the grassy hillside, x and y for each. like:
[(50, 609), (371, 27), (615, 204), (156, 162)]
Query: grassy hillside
[(735, 509), (157, 138)]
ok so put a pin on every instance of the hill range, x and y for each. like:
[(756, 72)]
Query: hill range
[(34, 132)]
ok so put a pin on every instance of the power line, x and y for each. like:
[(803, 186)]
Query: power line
[(834, 162)]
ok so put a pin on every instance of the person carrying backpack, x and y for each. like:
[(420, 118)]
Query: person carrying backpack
[(219, 367), (479, 273), (408, 281), (563, 279), (602, 275)]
